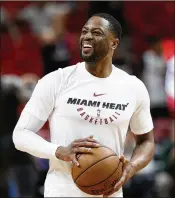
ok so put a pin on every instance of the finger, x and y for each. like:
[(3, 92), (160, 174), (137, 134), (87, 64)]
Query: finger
[(86, 144), (109, 193), (122, 159), (75, 160), (118, 187), (119, 184), (82, 139), (82, 150), (90, 139), (115, 189)]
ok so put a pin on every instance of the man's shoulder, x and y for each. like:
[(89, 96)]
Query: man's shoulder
[(61, 72), (128, 78), (71, 68), (120, 72), (135, 84)]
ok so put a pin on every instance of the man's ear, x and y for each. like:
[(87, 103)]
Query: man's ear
[(115, 43)]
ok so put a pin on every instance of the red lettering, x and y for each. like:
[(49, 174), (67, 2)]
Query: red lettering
[(106, 121), (82, 114), (91, 120), (86, 117), (80, 109), (96, 121), (111, 119), (114, 116)]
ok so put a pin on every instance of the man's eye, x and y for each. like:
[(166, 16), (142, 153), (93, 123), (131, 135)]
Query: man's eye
[(84, 32), (97, 33)]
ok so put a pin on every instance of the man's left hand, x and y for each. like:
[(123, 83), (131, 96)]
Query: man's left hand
[(128, 171)]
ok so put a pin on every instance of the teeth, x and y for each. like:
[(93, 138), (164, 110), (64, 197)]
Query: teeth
[(87, 45)]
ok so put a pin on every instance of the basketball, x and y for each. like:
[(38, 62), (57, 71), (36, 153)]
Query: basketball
[(98, 172)]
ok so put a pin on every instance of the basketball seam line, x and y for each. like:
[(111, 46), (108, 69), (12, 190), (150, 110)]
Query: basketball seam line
[(104, 179), (93, 165), (98, 147)]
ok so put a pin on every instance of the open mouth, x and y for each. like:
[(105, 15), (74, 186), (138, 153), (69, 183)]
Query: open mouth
[(87, 48)]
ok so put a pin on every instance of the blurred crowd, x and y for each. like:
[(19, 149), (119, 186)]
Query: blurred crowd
[(40, 37)]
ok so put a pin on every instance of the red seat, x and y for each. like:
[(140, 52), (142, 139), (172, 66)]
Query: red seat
[(22, 58), (148, 19)]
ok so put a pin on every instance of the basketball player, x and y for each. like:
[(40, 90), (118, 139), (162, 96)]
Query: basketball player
[(87, 104)]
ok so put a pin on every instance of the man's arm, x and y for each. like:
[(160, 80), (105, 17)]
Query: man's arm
[(141, 156), (141, 126), (144, 150), (35, 114), (25, 137)]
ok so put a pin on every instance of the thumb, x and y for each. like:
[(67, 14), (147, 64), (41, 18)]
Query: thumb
[(75, 160), (122, 159)]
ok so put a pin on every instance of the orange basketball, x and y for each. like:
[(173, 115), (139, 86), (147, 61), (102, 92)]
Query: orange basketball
[(98, 172)]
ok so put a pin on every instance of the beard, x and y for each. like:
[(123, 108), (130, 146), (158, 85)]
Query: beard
[(93, 57)]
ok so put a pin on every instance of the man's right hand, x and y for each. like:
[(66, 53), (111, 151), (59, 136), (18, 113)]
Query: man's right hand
[(83, 146)]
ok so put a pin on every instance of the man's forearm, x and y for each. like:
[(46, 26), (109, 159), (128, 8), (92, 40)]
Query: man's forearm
[(142, 154), (25, 137), (27, 141)]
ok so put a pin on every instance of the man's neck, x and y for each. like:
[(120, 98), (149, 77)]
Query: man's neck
[(101, 69)]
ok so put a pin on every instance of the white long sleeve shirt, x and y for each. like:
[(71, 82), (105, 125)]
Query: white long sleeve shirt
[(77, 105)]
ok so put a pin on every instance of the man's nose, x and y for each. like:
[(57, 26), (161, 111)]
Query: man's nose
[(88, 36)]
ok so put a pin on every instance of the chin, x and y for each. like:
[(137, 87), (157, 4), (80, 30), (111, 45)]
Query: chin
[(88, 58)]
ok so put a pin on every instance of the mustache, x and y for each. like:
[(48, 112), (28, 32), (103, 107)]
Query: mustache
[(84, 41)]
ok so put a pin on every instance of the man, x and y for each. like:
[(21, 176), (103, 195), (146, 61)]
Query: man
[(71, 99), (154, 76)]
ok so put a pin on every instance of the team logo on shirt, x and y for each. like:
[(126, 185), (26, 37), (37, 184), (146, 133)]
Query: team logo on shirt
[(98, 113), (96, 95), (91, 103), (98, 119)]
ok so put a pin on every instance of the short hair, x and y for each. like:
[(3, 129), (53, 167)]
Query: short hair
[(114, 25)]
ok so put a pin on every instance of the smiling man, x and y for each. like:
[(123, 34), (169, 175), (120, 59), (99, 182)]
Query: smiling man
[(88, 104)]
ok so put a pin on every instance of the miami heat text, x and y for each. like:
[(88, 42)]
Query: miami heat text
[(91, 103)]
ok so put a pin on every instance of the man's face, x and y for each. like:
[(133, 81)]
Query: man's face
[(95, 40)]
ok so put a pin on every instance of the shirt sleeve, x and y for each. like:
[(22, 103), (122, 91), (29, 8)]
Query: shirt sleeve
[(42, 101), (34, 115), (25, 138), (141, 120)]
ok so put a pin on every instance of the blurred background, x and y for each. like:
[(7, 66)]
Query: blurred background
[(40, 37)]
